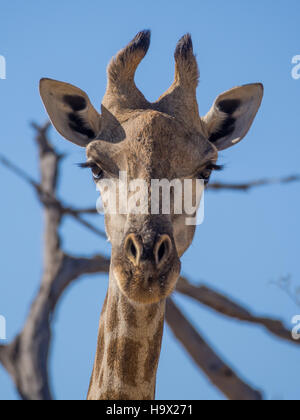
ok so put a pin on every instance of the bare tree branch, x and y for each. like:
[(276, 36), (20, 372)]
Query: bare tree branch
[(285, 284), (26, 358), (246, 186), (88, 210), (6, 360), (231, 309), (219, 373), (48, 199), (18, 171), (76, 214)]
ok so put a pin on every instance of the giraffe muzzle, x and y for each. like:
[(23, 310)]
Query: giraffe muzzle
[(160, 251), (147, 270)]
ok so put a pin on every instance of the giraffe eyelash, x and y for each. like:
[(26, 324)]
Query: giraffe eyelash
[(96, 170), (86, 165), (206, 173), (209, 167), (215, 167)]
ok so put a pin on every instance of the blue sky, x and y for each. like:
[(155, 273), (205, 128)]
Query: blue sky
[(246, 241)]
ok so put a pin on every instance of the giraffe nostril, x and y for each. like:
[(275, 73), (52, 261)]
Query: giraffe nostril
[(162, 250), (133, 249)]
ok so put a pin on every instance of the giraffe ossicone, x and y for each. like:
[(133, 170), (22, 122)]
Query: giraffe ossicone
[(164, 140)]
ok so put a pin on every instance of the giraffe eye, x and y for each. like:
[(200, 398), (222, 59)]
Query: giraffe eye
[(97, 172), (205, 176)]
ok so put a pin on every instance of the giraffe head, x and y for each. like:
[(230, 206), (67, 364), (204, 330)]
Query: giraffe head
[(165, 140)]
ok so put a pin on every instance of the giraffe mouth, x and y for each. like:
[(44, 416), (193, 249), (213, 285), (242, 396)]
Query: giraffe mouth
[(145, 284)]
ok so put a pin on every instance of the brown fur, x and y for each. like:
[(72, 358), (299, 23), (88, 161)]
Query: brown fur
[(166, 139), (127, 356)]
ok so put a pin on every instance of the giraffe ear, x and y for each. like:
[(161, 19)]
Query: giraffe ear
[(232, 115), (70, 111)]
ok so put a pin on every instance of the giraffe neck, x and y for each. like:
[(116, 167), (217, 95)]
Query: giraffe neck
[(128, 349)]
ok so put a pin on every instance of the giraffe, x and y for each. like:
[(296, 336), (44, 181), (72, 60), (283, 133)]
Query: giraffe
[(163, 140)]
